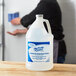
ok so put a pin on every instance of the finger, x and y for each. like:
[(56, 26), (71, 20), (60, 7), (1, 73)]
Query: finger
[(13, 22), (14, 34), (16, 21), (18, 31), (22, 31), (11, 33)]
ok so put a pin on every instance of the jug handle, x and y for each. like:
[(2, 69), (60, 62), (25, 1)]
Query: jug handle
[(48, 25)]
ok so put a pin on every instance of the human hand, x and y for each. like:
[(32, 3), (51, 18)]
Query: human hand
[(16, 21), (18, 31)]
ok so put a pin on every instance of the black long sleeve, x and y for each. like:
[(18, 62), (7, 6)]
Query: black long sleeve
[(51, 11), (30, 18)]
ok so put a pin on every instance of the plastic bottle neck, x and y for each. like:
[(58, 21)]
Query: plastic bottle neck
[(39, 20), (39, 17)]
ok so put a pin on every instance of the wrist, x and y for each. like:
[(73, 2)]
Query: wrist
[(20, 21)]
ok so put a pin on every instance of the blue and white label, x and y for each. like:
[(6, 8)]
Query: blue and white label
[(12, 16), (38, 51)]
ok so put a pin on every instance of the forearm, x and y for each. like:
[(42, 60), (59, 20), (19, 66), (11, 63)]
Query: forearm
[(30, 18), (26, 20)]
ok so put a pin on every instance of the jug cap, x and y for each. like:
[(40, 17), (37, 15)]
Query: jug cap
[(39, 15)]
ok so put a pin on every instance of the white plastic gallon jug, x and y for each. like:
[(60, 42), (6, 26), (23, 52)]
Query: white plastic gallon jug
[(39, 46)]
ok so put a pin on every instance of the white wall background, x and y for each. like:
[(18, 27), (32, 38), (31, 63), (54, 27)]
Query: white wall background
[(68, 8), (15, 46)]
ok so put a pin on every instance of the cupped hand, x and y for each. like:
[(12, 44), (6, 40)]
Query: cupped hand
[(18, 31), (16, 21)]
